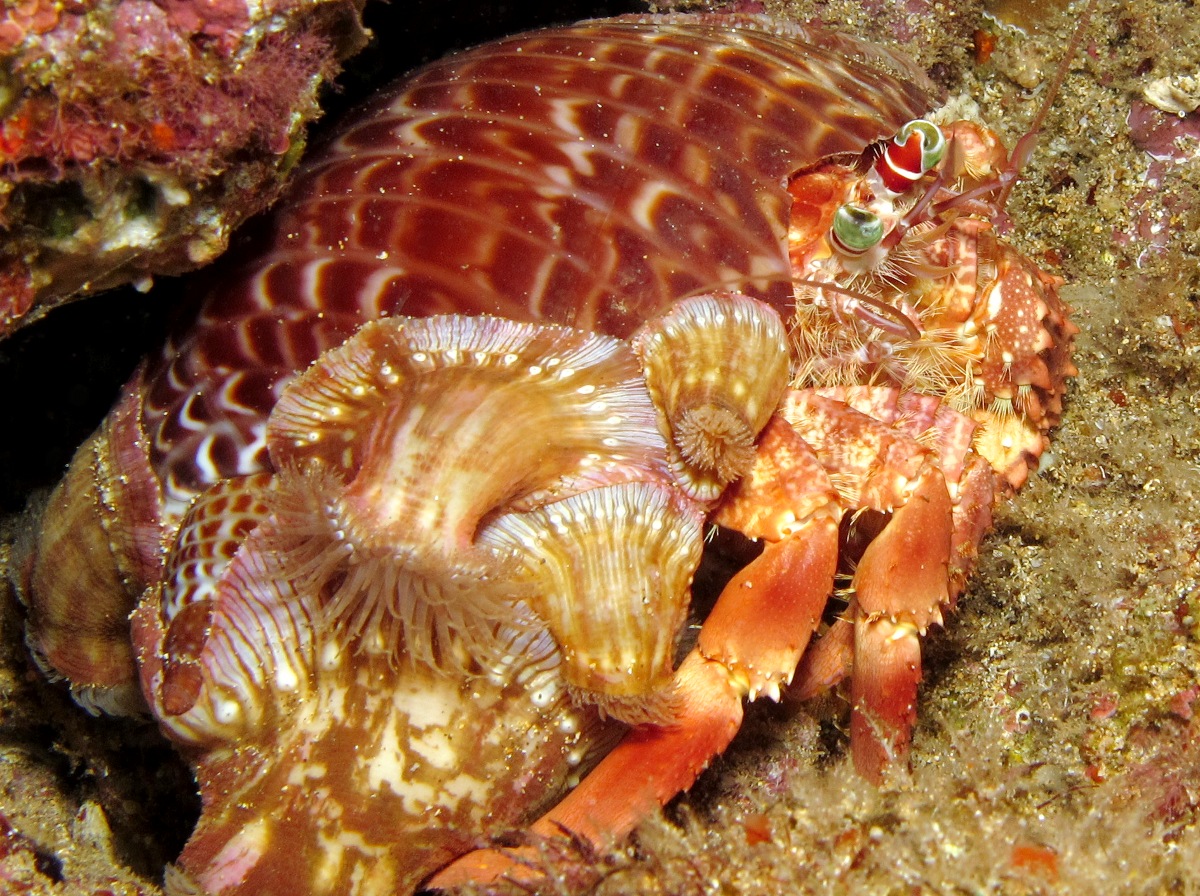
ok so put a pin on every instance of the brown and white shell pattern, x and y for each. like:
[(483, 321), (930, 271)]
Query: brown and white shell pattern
[(588, 176)]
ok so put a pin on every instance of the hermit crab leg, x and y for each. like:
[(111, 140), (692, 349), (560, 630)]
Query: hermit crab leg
[(764, 618), (749, 644), (651, 765), (762, 622), (900, 586)]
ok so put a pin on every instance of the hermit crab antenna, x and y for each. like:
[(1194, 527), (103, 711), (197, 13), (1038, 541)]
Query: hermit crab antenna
[(1023, 151), (915, 214), (873, 311)]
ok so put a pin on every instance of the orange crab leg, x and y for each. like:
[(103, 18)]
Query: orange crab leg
[(766, 614), (762, 624), (900, 587), (749, 644), (648, 767), (825, 663), (903, 572), (883, 694)]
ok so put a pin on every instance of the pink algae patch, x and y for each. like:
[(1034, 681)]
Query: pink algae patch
[(210, 17), (1164, 135)]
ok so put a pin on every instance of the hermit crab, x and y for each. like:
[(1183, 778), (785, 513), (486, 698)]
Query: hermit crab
[(395, 539)]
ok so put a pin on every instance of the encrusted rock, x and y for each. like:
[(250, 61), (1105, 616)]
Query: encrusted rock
[(135, 136)]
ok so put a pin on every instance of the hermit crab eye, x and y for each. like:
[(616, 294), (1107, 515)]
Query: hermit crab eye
[(933, 143), (855, 229), (916, 148)]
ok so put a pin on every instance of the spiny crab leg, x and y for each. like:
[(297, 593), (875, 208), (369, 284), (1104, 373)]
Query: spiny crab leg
[(762, 622), (911, 571), (761, 625), (900, 585), (647, 768)]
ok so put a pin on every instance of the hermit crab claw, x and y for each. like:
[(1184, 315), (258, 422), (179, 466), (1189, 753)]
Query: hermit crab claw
[(398, 445), (715, 366)]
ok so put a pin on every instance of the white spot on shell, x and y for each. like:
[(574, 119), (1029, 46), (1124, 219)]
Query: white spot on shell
[(428, 708), (330, 658), (226, 712), (543, 696), (467, 786), (435, 748), (286, 678)]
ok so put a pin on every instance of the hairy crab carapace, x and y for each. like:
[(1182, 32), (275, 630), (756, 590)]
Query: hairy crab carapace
[(406, 519)]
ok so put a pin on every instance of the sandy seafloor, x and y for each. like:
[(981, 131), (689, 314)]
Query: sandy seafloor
[(1058, 747)]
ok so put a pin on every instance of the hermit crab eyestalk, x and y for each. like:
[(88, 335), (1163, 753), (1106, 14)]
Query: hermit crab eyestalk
[(916, 149), (856, 230), (932, 143)]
